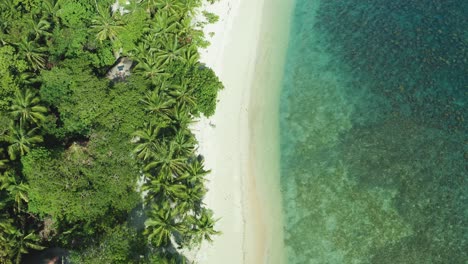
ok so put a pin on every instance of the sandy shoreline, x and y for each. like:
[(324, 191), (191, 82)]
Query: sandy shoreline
[(240, 142)]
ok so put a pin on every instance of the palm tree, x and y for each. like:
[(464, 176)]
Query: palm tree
[(3, 162), (52, 9), (158, 103), (152, 69), (19, 192), (190, 55), (27, 78), (21, 140), (26, 107), (165, 190), (166, 161), (161, 225), (180, 118), (188, 7), (32, 53), (163, 23), (14, 243), (184, 142), (106, 26), (196, 172), (148, 140), (193, 200), (7, 244), (184, 26), (170, 50), (183, 95), (203, 226), (24, 243), (150, 5), (170, 6), (39, 28)]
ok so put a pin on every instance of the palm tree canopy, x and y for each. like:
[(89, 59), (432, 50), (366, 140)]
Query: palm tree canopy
[(106, 26), (21, 140), (26, 107), (147, 140)]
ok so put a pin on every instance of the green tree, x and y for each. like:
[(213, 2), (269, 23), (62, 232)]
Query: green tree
[(32, 53), (39, 28), (148, 140), (7, 239), (184, 143), (83, 183), (158, 103), (183, 95), (152, 69), (170, 49), (196, 171), (106, 26), (21, 140), (17, 191), (170, 6), (163, 23), (26, 108), (161, 225), (180, 117), (15, 242), (202, 226), (205, 85), (161, 189), (190, 56), (3, 159), (166, 162)]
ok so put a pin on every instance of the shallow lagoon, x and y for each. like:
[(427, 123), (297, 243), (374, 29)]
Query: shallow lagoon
[(374, 140)]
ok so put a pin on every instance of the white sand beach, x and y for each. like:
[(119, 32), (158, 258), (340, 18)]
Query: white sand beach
[(240, 142)]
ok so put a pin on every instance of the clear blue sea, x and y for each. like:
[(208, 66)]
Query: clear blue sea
[(374, 132)]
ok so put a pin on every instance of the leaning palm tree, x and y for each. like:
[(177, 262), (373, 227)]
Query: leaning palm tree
[(7, 241), (21, 140), (32, 53), (26, 108), (24, 243), (147, 140), (161, 225), (203, 226), (14, 242)]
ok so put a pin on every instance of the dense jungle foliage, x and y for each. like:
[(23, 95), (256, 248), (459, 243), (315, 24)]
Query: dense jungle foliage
[(78, 149)]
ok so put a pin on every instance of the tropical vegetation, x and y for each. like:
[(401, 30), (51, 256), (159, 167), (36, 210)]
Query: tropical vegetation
[(104, 168)]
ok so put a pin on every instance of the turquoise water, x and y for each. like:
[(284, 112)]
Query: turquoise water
[(374, 136)]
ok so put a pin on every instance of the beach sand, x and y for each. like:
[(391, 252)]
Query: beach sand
[(240, 142)]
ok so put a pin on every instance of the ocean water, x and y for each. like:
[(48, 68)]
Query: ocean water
[(374, 132)]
